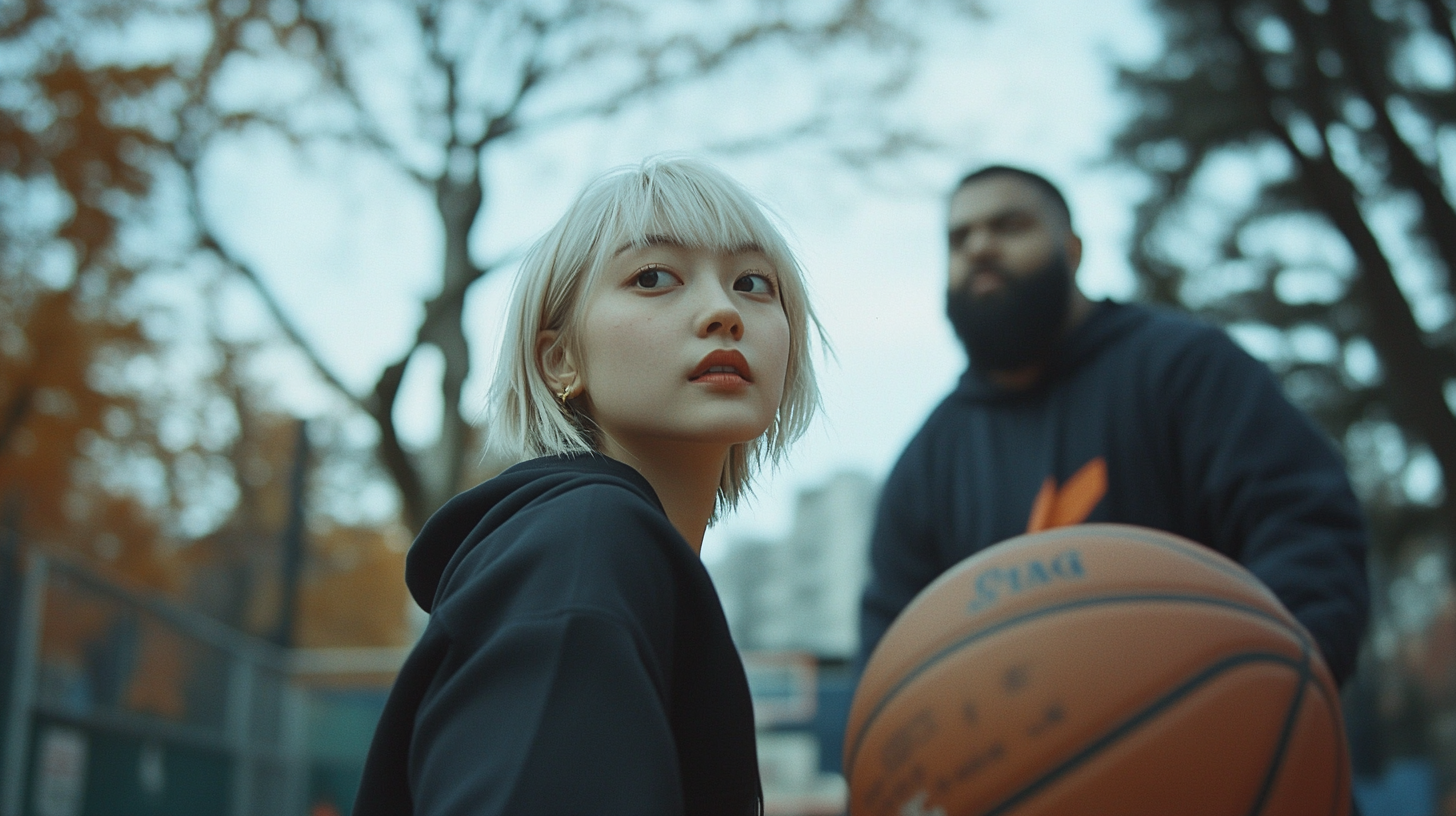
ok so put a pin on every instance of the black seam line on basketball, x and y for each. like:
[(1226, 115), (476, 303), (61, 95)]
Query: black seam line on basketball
[(1099, 600), (1284, 733), (1131, 723), (1332, 708), (1025, 617), (1343, 785)]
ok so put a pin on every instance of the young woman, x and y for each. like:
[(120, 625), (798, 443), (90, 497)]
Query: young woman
[(577, 660)]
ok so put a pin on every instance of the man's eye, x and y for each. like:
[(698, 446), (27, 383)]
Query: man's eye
[(754, 284)]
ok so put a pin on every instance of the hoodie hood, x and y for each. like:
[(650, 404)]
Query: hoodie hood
[(1107, 322), (471, 516)]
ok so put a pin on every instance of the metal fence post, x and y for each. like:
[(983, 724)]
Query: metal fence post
[(20, 699), (294, 749), (239, 723)]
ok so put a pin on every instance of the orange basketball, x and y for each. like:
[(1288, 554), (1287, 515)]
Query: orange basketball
[(1097, 669)]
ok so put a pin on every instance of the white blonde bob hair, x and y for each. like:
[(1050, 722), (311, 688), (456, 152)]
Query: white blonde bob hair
[(688, 202)]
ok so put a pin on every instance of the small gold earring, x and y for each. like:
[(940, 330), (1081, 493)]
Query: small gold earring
[(564, 395)]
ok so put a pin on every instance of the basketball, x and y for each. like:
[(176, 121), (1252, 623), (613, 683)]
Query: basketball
[(1096, 669)]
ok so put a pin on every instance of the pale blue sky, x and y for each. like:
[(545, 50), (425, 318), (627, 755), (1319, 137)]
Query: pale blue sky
[(351, 248)]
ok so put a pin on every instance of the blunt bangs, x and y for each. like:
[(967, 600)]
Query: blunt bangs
[(684, 202), (664, 199)]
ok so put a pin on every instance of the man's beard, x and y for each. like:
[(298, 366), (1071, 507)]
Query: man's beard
[(1017, 325)]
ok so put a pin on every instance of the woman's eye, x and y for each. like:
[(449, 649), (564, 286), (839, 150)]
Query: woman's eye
[(653, 279), (754, 284)]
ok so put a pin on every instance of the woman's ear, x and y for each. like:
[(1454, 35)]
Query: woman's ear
[(558, 365)]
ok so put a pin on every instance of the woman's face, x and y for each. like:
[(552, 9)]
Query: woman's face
[(683, 344)]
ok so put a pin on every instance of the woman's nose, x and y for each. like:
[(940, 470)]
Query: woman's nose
[(724, 321), (721, 316)]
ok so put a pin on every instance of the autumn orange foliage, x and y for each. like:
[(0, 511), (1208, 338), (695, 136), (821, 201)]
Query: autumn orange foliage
[(50, 416), (52, 340), (353, 593), (71, 423)]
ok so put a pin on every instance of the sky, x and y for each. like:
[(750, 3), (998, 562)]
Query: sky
[(351, 248)]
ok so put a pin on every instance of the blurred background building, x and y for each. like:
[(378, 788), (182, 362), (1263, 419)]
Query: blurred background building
[(801, 593), (793, 607)]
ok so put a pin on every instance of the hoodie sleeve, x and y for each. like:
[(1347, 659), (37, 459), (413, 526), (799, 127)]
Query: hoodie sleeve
[(551, 696), (903, 555), (1268, 489)]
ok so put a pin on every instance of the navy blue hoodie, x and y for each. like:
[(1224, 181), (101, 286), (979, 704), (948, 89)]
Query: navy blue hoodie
[(576, 661), (1150, 418)]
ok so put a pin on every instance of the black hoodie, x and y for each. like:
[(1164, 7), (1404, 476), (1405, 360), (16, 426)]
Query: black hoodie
[(1151, 418), (576, 661)]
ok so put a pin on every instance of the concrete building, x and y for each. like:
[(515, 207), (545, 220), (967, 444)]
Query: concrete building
[(802, 593), (793, 608)]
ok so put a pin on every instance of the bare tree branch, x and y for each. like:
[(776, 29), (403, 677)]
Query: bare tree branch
[(32, 11), (339, 78), (1441, 21), (503, 123), (392, 455), (577, 47), (275, 309), (704, 59), (1391, 326), (1406, 168)]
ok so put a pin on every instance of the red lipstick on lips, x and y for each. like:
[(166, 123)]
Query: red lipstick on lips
[(722, 367)]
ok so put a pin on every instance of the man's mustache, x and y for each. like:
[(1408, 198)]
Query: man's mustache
[(1001, 275)]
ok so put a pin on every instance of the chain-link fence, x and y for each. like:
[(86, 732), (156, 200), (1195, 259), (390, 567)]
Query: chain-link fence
[(117, 704)]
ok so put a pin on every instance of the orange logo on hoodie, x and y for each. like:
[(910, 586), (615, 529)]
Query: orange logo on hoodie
[(1071, 504)]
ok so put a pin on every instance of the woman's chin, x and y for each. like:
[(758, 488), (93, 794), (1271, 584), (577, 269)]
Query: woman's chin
[(722, 426), (726, 434), (741, 433)]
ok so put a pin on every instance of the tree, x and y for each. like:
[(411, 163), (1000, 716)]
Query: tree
[(69, 427), (352, 593), (480, 78), (1299, 193), (129, 424), (120, 276)]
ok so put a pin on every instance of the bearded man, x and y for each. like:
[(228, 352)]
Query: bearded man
[(1073, 411)]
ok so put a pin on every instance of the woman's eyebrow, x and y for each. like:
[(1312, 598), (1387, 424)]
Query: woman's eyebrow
[(650, 241)]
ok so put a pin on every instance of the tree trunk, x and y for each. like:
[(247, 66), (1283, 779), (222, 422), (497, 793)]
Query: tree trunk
[(459, 202), (396, 460)]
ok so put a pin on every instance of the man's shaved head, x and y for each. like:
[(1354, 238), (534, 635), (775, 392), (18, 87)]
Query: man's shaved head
[(1040, 183)]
